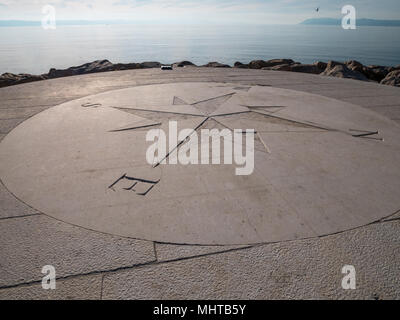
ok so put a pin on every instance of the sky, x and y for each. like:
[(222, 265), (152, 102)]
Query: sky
[(198, 11)]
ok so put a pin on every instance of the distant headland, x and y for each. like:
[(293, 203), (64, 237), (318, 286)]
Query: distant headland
[(360, 22)]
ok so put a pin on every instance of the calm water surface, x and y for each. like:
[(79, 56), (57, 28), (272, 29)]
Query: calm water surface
[(34, 50)]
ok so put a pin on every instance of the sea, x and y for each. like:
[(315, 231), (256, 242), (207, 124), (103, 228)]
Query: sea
[(35, 50)]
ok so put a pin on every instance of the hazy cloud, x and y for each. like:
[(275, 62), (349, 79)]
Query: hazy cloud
[(224, 11)]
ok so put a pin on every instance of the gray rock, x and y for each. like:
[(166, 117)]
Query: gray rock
[(306, 68), (392, 79), (183, 64), (100, 66), (281, 67), (259, 64), (280, 61), (331, 64), (150, 64), (241, 65), (321, 65), (377, 73), (126, 66), (91, 67), (216, 65), (9, 79), (355, 66), (341, 71)]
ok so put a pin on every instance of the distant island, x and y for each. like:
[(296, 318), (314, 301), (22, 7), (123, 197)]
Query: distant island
[(360, 22)]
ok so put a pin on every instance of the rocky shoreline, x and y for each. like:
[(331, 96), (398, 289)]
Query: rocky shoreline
[(349, 69)]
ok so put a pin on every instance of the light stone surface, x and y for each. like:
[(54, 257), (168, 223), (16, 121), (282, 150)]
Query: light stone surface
[(392, 112), (20, 113), (77, 288), (307, 269), (376, 101), (7, 125), (168, 252), (11, 206), (84, 162), (393, 217), (373, 249), (29, 243)]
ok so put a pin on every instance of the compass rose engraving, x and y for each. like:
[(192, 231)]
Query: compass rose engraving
[(321, 165)]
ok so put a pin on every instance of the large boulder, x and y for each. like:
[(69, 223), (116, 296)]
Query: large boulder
[(238, 64), (331, 64), (392, 79), (281, 67), (9, 79), (183, 64), (259, 64), (126, 66), (342, 71), (377, 73), (320, 65), (297, 67), (100, 66), (150, 64), (277, 62), (355, 66), (216, 65), (91, 67), (306, 68)]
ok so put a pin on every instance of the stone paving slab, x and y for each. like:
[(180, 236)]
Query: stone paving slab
[(344, 91), (11, 206), (7, 125), (393, 217), (18, 113), (29, 243), (190, 204), (169, 252), (35, 102), (77, 288), (93, 83), (274, 270), (392, 112), (307, 269), (376, 101)]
